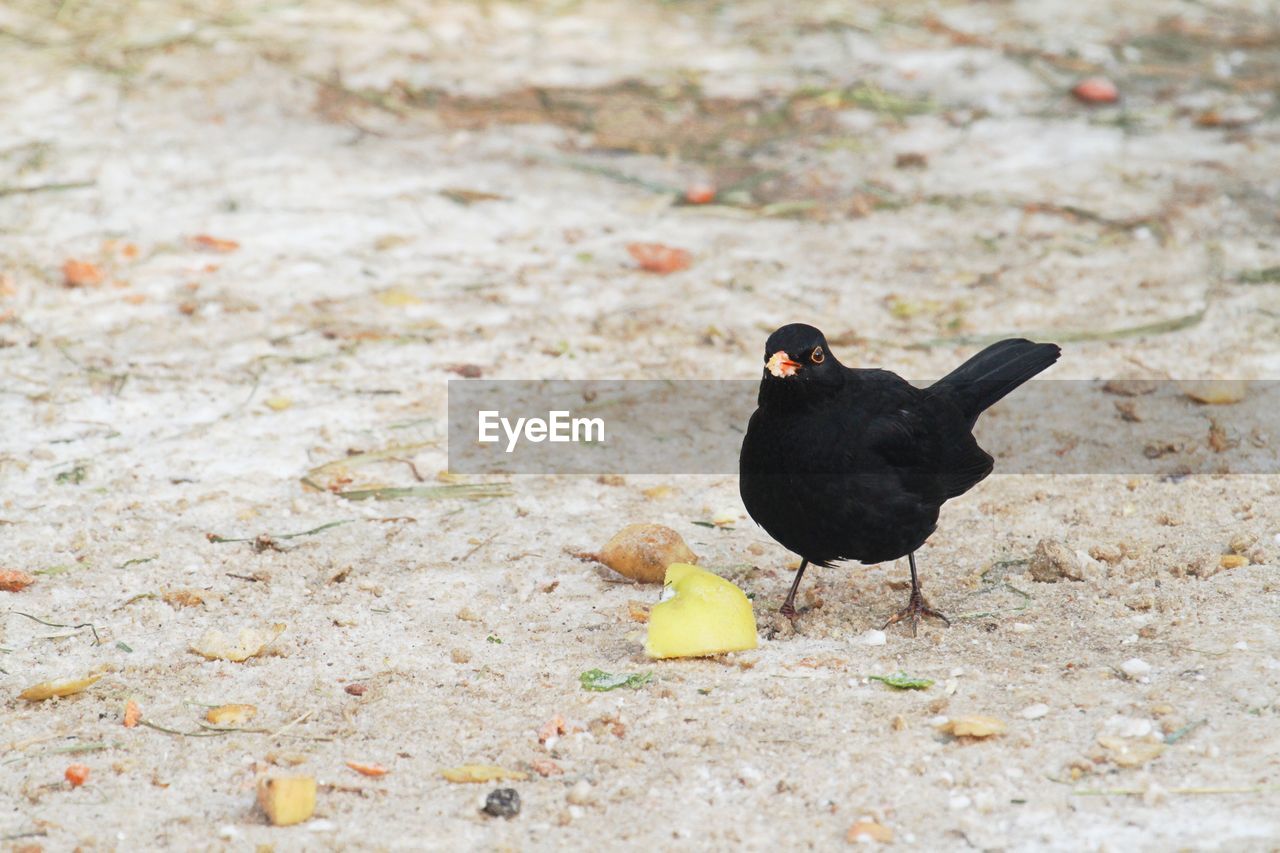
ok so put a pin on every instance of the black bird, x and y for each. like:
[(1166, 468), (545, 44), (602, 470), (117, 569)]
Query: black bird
[(841, 463)]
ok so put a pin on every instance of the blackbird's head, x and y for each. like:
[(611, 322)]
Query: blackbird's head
[(797, 362)]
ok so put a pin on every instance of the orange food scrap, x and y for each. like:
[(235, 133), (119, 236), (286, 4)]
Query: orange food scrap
[(367, 769), (553, 727), (546, 767), (132, 714), (236, 714), (82, 274), (214, 244), (77, 775), (655, 257), (869, 829), (700, 194), (1096, 90), (128, 251), (12, 580), (182, 597)]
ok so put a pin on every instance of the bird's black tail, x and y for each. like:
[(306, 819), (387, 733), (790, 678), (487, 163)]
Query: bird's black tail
[(986, 378)]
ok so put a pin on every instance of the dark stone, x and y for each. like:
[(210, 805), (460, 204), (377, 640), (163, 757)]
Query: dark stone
[(502, 802)]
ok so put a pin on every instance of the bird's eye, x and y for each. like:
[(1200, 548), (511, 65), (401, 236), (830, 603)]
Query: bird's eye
[(817, 355)]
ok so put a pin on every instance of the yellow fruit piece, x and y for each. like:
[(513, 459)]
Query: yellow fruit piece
[(1219, 392), (287, 800), (707, 615), (1233, 561), (482, 773), (278, 404), (974, 725), (398, 297), (59, 687), (231, 715), (251, 642), (1130, 753), (725, 518)]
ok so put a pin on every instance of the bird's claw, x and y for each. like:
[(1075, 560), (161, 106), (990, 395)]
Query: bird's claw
[(916, 608)]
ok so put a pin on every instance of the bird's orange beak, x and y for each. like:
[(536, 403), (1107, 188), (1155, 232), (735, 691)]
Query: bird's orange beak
[(781, 365)]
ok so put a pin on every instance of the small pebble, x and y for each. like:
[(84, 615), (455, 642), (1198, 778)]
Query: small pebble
[(502, 802), (1241, 543), (1021, 628), (1241, 646), (1053, 561), (1106, 554), (1136, 668), (1035, 712), (874, 638), (1154, 795), (355, 689), (1130, 727), (960, 803), (581, 793)]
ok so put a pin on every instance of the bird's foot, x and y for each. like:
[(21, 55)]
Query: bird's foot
[(788, 610), (916, 609)]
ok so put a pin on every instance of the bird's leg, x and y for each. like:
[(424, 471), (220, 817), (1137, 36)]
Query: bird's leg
[(788, 608), (916, 605)]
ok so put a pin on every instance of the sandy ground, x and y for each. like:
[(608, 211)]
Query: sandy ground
[(908, 176)]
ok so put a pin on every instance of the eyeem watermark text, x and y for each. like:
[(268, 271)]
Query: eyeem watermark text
[(559, 425)]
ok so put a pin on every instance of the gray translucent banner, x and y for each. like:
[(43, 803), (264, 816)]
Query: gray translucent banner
[(696, 426)]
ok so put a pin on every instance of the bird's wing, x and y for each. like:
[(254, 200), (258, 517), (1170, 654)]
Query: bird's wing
[(930, 446)]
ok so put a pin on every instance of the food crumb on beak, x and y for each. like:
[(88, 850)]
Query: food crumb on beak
[(781, 365)]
